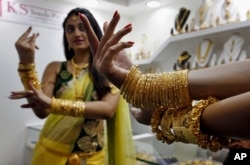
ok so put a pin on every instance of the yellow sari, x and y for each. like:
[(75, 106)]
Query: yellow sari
[(59, 134)]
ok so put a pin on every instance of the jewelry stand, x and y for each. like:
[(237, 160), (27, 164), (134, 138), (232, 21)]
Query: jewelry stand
[(203, 16), (232, 49), (182, 61), (181, 19), (203, 54), (213, 61)]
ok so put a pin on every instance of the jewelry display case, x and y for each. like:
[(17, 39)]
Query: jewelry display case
[(168, 52), (153, 152), (33, 132)]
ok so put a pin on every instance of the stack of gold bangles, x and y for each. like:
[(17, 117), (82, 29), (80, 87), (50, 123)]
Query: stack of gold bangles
[(174, 118), (67, 107), (28, 75), (150, 91)]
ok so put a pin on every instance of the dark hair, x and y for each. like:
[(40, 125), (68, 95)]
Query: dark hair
[(100, 83)]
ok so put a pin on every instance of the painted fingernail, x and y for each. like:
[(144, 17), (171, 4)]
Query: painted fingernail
[(131, 42), (127, 26), (80, 15), (116, 12)]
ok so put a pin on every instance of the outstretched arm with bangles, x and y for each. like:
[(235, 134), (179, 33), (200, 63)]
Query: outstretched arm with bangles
[(223, 93)]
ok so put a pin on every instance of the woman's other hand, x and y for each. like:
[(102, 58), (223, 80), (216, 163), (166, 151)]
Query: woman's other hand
[(240, 144), (109, 57), (142, 116), (26, 45), (37, 100)]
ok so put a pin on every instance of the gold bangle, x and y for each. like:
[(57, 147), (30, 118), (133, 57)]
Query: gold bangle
[(183, 125), (28, 66), (174, 85), (203, 140), (67, 107), (29, 76)]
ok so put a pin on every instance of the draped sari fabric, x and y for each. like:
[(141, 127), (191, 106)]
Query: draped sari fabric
[(120, 144), (60, 133)]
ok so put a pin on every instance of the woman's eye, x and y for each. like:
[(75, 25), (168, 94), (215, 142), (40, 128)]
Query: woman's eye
[(81, 28), (70, 30)]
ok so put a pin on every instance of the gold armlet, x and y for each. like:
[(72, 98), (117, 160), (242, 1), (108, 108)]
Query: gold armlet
[(183, 125), (153, 91), (27, 74), (67, 107)]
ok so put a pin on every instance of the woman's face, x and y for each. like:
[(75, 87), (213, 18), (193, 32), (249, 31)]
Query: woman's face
[(75, 34)]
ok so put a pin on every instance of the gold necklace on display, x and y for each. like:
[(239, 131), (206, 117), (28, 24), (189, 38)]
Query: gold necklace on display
[(183, 57), (231, 51), (202, 15), (76, 70), (248, 14), (227, 15), (202, 59), (181, 21)]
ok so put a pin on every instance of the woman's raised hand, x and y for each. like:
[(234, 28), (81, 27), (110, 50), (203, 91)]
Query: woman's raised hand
[(110, 58), (26, 45)]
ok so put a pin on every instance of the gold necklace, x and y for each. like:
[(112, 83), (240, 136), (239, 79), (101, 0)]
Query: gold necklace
[(231, 51), (181, 21), (227, 15), (202, 10), (183, 57), (77, 67), (76, 70), (202, 59), (248, 14)]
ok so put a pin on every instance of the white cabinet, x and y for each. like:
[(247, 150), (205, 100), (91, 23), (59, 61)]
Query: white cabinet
[(168, 52)]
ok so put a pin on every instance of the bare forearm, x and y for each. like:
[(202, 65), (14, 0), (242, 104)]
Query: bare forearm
[(221, 81), (228, 117)]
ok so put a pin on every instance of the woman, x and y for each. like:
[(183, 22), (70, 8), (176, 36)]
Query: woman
[(165, 100), (82, 100)]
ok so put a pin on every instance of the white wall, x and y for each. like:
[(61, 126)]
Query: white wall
[(158, 23), (13, 118)]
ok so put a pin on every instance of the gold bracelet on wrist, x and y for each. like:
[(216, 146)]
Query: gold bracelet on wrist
[(28, 66), (67, 107), (164, 90), (28, 74), (203, 140), (183, 125)]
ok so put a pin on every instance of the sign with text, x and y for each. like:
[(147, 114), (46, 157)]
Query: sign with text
[(38, 12)]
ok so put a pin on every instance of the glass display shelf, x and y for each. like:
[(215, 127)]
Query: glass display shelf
[(150, 151)]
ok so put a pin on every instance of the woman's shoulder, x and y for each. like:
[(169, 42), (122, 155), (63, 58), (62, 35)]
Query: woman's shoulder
[(56, 65)]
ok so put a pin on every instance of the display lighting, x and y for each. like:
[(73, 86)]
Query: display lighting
[(153, 4)]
